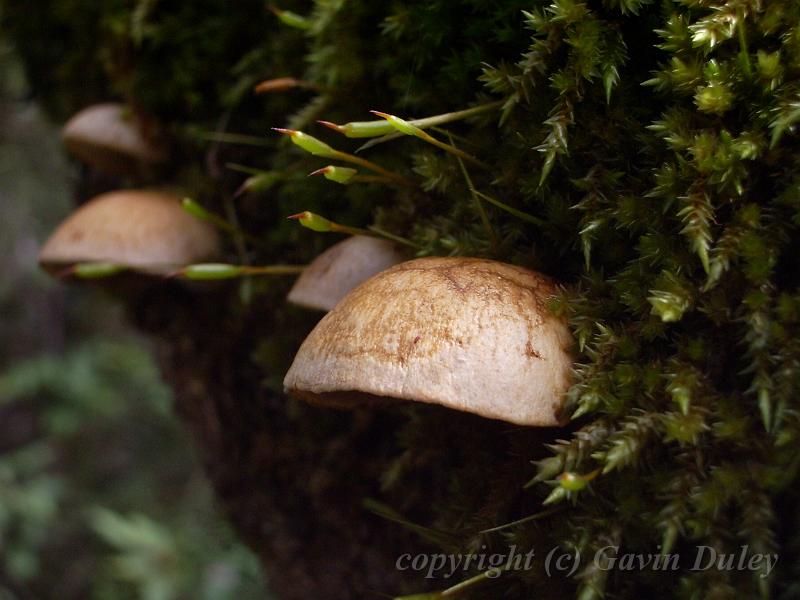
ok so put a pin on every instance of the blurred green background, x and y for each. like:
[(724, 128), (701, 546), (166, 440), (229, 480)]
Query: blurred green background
[(101, 496)]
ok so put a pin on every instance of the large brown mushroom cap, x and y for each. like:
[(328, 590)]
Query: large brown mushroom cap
[(469, 334), (105, 137), (341, 268), (141, 229)]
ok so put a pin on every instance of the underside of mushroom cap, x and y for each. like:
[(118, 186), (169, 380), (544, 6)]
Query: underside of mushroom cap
[(470, 334), (140, 229), (104, 137), (341, 268)]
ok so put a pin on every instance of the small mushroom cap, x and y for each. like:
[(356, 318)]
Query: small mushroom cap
[(141, 229), (104, 137), (470, 334), (341, 268)]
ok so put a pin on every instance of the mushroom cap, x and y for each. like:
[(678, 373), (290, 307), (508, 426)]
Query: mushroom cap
[(142, 229), (341, 268), (470, 334), (105, 137)]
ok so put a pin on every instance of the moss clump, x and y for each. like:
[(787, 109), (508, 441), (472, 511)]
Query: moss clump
[(653, 147)]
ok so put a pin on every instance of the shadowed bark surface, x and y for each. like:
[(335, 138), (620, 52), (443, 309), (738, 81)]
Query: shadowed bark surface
[(291, 477)]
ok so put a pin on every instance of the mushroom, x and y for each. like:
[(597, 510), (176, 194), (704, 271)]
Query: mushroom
[(342, 267), (144, 230), (470, 334), (106, 137)]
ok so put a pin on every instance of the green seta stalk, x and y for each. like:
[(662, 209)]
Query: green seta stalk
[(319, 223)]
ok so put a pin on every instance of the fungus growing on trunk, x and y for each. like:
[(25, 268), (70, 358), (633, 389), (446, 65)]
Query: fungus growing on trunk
[(109, 139), (470, 334), (341, 268), (144, 230)]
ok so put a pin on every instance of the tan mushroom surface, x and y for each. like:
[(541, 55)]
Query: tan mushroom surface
[(106, 137), (145, 230), (470, 334), (341, 268)]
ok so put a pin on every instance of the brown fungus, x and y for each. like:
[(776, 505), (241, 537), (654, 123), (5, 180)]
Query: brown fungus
[(341, 268), (469, 334), (143, 230), (108, 138)]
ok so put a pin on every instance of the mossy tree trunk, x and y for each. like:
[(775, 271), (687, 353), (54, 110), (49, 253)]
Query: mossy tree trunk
[(295, 479)]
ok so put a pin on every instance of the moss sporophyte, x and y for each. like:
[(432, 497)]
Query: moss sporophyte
[(319, 223), (318, 148), (211, 271)]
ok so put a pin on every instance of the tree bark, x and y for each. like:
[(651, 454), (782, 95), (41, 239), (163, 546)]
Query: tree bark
[(292, 478)]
